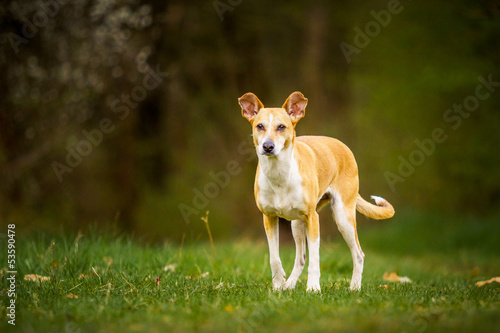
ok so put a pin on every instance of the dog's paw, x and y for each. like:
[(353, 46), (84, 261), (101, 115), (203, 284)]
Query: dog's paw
[(313, 287), (277, 288), (289, 285), (355, 286), (279, 281)]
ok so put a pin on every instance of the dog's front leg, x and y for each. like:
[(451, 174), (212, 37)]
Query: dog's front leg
[(312, 232), (271, 224), (299, 235)]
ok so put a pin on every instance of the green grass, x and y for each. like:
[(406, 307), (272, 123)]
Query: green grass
[(227, 288)]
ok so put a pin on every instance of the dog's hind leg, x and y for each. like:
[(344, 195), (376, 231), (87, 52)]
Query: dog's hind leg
[(299, 235), (345, 217), (312, 233)]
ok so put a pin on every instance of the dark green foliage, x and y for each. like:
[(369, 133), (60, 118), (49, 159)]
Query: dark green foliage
[(158, 150)]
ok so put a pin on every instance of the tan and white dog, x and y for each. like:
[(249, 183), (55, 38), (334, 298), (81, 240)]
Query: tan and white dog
[(296, 177)]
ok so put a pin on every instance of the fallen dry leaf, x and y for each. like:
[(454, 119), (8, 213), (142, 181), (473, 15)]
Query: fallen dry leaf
[(71, 296), (157, 280), (482, 283), (393, 277), (34, 277)]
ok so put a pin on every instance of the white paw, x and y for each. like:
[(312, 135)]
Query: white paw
[(279, 282), (277, 287), (355, 285), (313, 287), (290, 284)]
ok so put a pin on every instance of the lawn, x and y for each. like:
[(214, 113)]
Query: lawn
[(103, 282)]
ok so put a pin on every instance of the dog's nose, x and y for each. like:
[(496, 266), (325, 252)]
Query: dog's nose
[(268, 146)]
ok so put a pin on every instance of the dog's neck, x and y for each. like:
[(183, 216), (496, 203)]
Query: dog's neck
[(277, 169)]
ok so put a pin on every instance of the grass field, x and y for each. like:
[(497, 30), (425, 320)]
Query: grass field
[(106, 283)]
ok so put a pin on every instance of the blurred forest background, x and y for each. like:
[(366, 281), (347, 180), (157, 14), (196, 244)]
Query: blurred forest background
[(94, 130)]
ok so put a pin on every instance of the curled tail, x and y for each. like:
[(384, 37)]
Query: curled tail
[(383, 209)]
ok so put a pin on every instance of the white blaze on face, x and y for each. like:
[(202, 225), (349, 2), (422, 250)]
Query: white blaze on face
[(269, 128), (267, 135)]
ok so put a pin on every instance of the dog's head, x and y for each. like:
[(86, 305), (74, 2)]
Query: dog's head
[(273, 129)]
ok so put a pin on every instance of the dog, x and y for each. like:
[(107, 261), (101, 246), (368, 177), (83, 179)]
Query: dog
[(296, 177)]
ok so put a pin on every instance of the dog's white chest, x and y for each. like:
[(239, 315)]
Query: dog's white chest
[(281, 192)]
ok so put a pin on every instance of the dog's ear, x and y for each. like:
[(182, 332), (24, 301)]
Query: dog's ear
[(295, 106), (250, 106)]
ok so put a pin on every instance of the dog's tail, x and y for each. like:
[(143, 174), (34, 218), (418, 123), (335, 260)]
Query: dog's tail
[(383, 209)]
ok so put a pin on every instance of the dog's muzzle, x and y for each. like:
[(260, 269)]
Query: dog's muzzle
[(268, 148)]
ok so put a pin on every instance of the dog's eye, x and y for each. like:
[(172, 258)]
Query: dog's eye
[(281, 127), (260, 127)]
